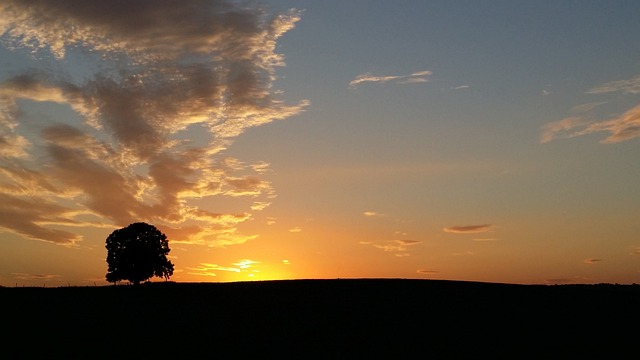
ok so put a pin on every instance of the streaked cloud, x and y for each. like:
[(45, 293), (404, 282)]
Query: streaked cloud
[(245, 263), (372, 214), (591, 261), (260, 205), (620, 128), (629, 86), (208, 269), (398, 247), (408, 242), (414, 80), (585, 108), (416, 77), (34, 277), (466, 229), (560, 129), (158, 71), (296, 229)]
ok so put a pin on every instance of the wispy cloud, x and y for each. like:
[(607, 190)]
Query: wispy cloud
[(416, 77), (208, 269), (466, 229), (34, 277), (591, 261), (162, 70), (620, 128), (427, 272), (372, 214), (560, 129), (586, 108), (629, 86), (398, 247)]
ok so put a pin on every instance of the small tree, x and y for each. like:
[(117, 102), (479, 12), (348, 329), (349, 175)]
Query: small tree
[(136, 253)]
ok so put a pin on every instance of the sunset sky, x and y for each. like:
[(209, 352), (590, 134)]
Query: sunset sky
[(494, 141)]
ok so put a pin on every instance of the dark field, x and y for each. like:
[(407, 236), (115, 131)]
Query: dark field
[(323, 319)]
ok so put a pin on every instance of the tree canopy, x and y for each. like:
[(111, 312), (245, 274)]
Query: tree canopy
[(136, 253)]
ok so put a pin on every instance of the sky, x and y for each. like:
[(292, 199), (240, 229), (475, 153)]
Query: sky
[(492, 141)]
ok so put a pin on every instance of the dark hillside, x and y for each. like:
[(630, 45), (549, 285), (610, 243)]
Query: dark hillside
[(329, 319)]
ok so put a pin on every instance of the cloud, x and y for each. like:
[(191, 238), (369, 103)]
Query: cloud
[(260, 205), (371, 78), (468, 229), (35, 277), (398, 247), (630, 86), (620, 128), (208, 269), (25, 216), (585, 108), (591, 261), (372, 214), (414, 80), (554, 130), (416, 77), (159, 71), (245, 263)]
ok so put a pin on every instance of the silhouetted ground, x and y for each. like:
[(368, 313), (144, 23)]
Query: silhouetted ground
[(323, 319)]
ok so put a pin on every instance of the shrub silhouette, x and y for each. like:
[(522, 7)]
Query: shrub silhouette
[(136, 253)]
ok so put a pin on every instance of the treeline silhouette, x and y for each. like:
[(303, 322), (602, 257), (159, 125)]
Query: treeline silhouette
[(328, 319)]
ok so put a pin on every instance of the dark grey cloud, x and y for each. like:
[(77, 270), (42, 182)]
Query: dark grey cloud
[(159, 70)]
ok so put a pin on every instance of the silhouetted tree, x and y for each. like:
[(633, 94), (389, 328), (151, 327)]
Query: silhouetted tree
[(136, 253)]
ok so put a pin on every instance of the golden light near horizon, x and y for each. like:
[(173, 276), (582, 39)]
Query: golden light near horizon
[(242, 270), (414, 141)]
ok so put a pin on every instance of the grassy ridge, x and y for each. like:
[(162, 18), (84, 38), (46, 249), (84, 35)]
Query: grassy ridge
[(330, 319)]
